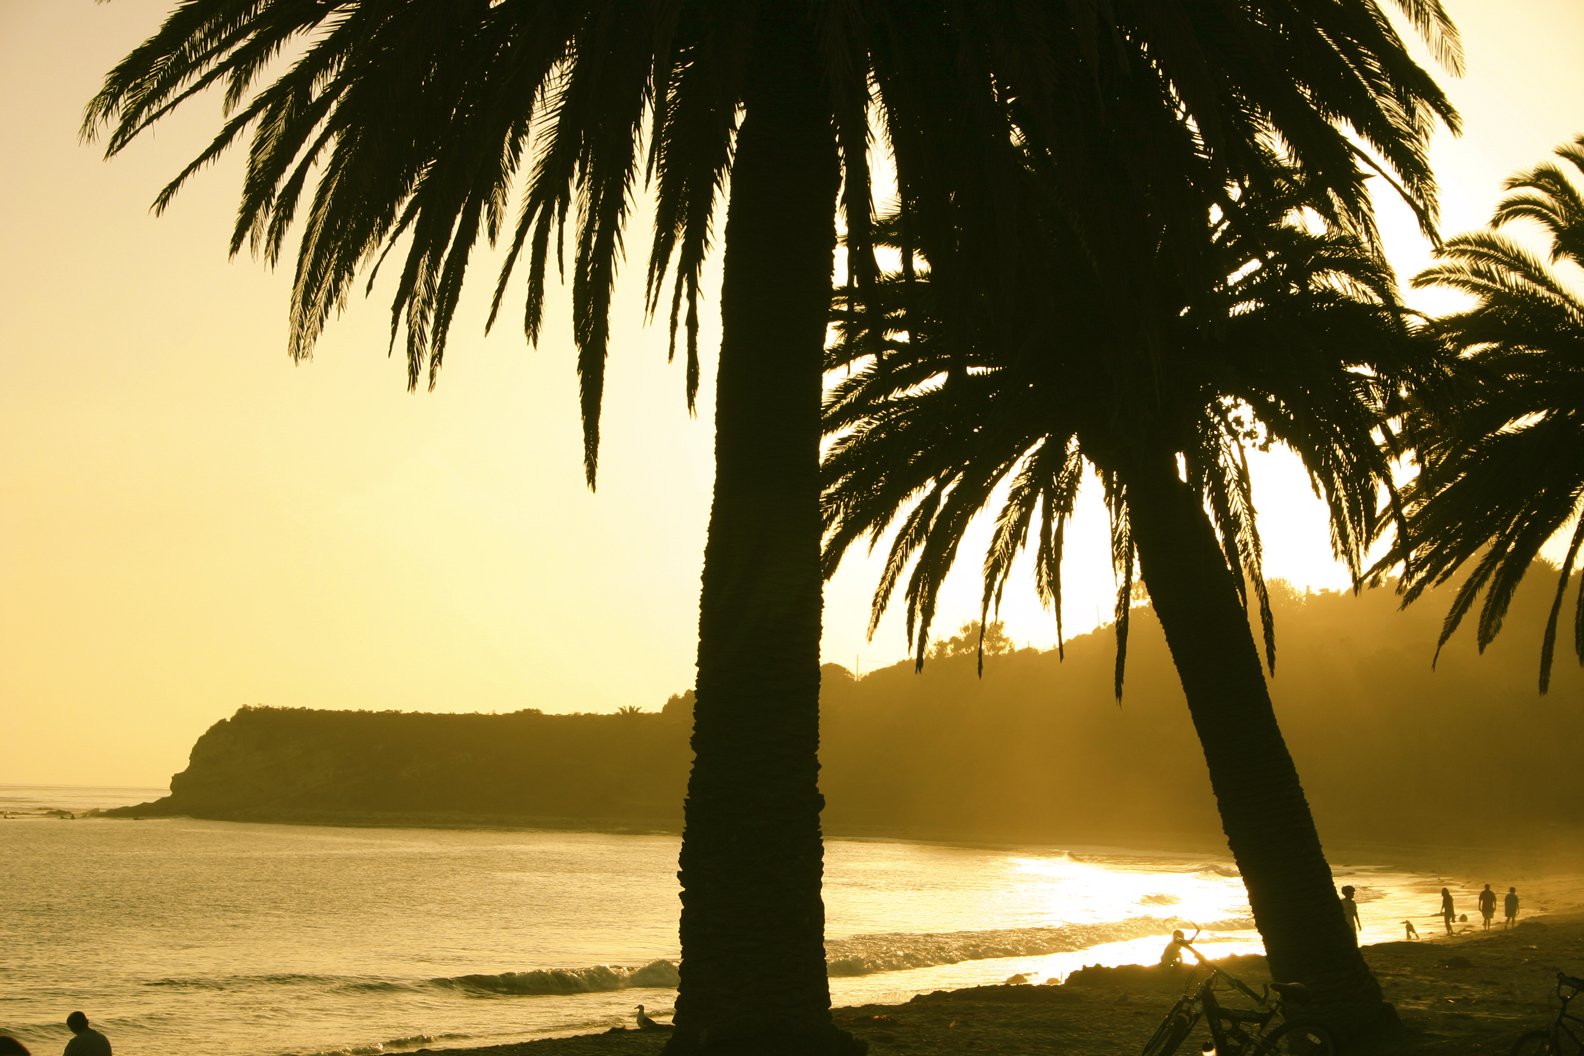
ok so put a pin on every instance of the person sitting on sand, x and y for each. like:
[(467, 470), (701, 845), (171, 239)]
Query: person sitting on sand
[(1448, 914), (87, 1041), (1171, 956), (1511, 906)]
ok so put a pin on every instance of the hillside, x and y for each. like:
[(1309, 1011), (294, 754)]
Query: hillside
[(1038, 750)]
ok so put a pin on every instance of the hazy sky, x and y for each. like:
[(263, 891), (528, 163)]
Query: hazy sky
[(190, 523)]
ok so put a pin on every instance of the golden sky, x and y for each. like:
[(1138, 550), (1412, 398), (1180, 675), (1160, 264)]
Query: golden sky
[(190, 523)]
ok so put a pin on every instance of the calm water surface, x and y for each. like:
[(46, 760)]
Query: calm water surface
[(209, 938)]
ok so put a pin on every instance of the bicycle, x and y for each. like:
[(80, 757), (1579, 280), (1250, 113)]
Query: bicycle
[(1565, 1035), (1260, 1031)]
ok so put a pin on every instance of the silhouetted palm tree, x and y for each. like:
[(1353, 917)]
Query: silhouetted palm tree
[(1502, 458), (1112, 361), (386, 123), (407, 123)]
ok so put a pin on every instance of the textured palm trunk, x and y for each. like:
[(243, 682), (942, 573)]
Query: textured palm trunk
[(753, 976), (1263, 810)]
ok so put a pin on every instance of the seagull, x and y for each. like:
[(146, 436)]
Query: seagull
[(644, 1022)]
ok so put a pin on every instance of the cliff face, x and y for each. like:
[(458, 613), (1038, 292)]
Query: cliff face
[(1038, 750), (598, 770)]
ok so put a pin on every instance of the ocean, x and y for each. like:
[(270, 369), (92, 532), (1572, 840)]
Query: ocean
[(208, 938)]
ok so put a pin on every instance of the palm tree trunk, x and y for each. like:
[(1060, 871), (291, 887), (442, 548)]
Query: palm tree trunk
[(1263, 810), (753, 976)]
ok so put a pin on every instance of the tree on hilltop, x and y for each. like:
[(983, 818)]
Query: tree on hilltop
[(974, 638)]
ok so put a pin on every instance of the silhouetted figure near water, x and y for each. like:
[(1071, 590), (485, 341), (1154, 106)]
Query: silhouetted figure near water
[(9, 1046), (1411, 931), (1448, 914), (1171, 956), (88, 1041), (1350, 910), (1487, 904), (1511, 906)]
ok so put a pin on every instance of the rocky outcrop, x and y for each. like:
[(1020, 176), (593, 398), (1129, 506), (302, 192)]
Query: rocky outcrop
[(601, 771)]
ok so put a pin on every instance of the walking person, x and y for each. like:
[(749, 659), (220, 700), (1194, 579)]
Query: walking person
[(1350, 910), (1448, 914), (1487, 904), (1510, 904)]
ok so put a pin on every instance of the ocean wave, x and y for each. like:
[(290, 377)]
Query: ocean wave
[(393, 1045), (1223, 870), (599, 978), (278, 979), (374, 986), (869, 954), (853, 956), (227, 982), (1143, 863)]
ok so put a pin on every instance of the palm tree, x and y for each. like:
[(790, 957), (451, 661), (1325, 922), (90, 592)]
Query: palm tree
[(386, 123), (1112, 361), (411, 122), (1502, 463)]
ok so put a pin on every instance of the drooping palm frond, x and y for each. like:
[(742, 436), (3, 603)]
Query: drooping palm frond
[(411, 122), (379, 126), (379, 122), (1302, 343), (1502, 462)]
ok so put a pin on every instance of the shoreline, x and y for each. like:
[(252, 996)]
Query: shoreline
[(1471, 993), (1536, 852)]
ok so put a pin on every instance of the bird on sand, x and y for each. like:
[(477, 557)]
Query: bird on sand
[(645, 1023)]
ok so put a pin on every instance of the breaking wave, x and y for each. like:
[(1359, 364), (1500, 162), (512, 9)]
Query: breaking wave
[(854, 956), (394, 1045), (600, 978), (366, 984), (870, 954)]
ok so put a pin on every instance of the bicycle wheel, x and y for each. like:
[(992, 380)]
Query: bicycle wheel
[(1294, 1039), (1170, 1034), (1534, 1043)]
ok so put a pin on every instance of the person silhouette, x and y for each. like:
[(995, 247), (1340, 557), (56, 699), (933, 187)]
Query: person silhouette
[(1350, 910), (1448, 914), (1171, 956), (87, 1041), (9, 1046), (1412, 932), (1511, 906), (1487, 905)]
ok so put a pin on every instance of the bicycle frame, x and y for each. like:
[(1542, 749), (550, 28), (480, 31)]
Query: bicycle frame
[(1568, 1025), (1231, 1028)]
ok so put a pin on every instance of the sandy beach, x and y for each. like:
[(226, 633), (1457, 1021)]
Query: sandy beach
[(1470, 993)]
